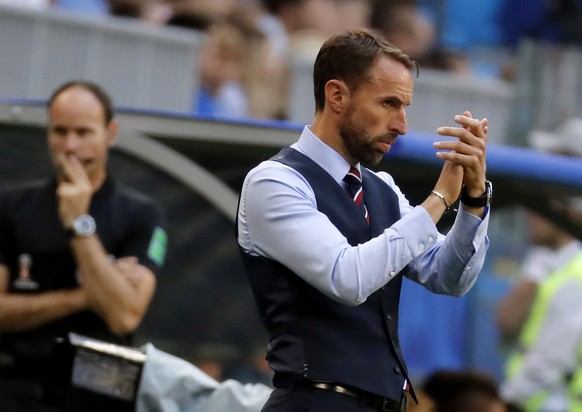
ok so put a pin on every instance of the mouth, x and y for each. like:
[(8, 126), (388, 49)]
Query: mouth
[(386, 144), (84, 161)]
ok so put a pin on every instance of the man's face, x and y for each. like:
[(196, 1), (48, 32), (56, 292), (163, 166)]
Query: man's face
[(77, 128), (376, 112)]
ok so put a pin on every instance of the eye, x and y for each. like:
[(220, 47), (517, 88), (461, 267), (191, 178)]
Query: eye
[(392, 103), (83, 132), (59, 131)]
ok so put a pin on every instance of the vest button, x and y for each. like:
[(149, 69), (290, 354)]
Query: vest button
[(397, 369), (388, 316)]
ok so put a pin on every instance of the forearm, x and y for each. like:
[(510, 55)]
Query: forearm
[(110, 294), (452, 267), (19, 312), (350, 274)]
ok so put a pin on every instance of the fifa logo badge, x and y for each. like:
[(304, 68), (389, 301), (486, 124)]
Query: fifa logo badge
[(24, 280)]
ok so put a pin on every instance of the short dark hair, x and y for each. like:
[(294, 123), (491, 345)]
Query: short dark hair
[(348, 56), (95, 89)]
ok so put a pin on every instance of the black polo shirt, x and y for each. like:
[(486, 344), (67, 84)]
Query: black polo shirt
[(35, 248)]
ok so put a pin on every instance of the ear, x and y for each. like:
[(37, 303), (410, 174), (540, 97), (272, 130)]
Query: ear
[(336, 95), (112, 130)]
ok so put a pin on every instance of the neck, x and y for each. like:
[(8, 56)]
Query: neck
[(328, 133)]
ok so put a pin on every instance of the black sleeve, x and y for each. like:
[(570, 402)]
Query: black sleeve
[(147, 237)]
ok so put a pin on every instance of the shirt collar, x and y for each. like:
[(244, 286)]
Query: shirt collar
[(326, 157)]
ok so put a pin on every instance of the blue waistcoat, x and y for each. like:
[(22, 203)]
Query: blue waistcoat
[(313, 336)]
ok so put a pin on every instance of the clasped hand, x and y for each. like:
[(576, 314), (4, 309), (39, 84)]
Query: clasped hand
[(465, 157)]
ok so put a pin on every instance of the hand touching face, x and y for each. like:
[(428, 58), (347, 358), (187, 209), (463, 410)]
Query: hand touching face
[(77, 128)]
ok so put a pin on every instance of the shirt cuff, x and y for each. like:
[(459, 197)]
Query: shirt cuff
[(468, 226), (418, 230)]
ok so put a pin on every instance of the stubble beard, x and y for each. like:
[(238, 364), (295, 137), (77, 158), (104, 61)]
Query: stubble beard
[(358, 143)]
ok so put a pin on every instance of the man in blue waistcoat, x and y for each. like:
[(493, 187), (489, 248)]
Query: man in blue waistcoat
[(326, 242)]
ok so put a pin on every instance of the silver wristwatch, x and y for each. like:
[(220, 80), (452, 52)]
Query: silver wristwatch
[(83, 226)]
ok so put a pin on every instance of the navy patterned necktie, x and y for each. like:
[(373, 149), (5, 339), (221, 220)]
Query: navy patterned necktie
[(354, 185)]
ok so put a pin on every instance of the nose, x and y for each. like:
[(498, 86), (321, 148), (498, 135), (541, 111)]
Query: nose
[(399, 123), (70, 143)]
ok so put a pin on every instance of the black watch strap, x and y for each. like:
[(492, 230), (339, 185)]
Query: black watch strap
[(481, 201)]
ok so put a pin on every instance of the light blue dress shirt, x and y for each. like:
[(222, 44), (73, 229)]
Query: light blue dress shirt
[(278, 219)]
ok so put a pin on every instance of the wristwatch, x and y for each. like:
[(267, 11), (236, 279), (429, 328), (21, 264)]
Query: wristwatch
[(481, 201), (83, 226)]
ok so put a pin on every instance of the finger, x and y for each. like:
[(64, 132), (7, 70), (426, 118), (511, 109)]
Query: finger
[(73, 169), (484, 125), (468, 114), (468, 122), (470, 134), (459, 147), (127, 264), (468, 162), (127, 260), (465, 134)]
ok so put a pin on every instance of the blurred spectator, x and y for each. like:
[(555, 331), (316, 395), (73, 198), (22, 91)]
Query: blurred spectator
[(211, 10), (544, 370), (470, 28), (404, 25), (354, 14), (540, 319), (555, 21), (453, 61), (301, 26), (295, 31), (463, 391), (127, 8), (470, 24), (155, 12), (240, 74), (410, 28), (513, 309), (265, 76), (221, 93)]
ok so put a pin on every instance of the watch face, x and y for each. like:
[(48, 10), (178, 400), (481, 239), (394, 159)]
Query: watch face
[(84, 225)]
